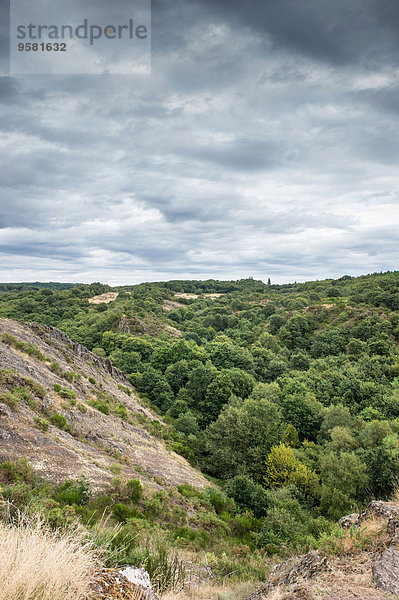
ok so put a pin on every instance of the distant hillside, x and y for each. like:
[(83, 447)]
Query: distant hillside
[(38, 285)]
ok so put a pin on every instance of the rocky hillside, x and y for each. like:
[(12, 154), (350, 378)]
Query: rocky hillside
[(71, 413)]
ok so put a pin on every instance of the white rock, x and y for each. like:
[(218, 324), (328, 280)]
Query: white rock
[(137, 576)]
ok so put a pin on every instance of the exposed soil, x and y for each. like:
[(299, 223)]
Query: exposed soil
[(195, 296), (104, 298)]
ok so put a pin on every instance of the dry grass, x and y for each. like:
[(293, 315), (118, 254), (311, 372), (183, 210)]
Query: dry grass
[(395, 497), (37, 564), (355, 540), (276, 594), (213, 591)]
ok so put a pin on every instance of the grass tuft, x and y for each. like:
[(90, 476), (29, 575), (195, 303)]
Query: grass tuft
[(39, 564)]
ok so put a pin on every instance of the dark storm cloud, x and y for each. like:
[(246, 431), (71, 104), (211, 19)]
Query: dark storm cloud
[(339, 32), (264, 143)]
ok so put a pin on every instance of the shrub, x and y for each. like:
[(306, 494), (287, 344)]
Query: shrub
[(69, 376), (59, 421), (101, 406), (248, 494), (185, 533), (56, 368), (341, 542), (10, 399), (165, 569), (28, 348), (284, 469), (57, 387), (20, 494), (135, 490), (92, 380), (218, 500), (19, 470), (121, 512), (74, 492), (7, 376), (42, 424), (68, 394), (36, 388), (22, 393), (121, 412), (188, 491)]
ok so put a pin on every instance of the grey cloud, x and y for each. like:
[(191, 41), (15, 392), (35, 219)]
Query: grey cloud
[(266, 149), (242, 154), (337, 32), (8, 90)]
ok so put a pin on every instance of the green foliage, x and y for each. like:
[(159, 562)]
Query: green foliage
[(36, 388), (58, 420), (101, 406), (41, 424), (22, 346), (242, 435), (248, 495), (17, 471), (291, 437), (68, 394), (294, 387), (217, 499), (135, 490), (344, 480), (187, 424), (73, 492), (12, 400), (7, 376), (288, 523), (283, 469), (164, 567)]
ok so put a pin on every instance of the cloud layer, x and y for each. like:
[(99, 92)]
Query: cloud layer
[(264, 143)]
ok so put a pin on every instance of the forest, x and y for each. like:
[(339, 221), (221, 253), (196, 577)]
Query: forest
[(286, 396)]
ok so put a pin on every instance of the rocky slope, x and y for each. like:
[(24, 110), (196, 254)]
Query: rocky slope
[(65, 431), (363, 564)]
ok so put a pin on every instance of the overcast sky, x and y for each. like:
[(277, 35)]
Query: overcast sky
[(265, 143)]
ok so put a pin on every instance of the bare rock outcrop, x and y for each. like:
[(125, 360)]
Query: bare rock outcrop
[(375, 509), (141, 579), (349, 521), (290, 571), (379, 509), (80, 350), (386, 570), (126, 584)]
